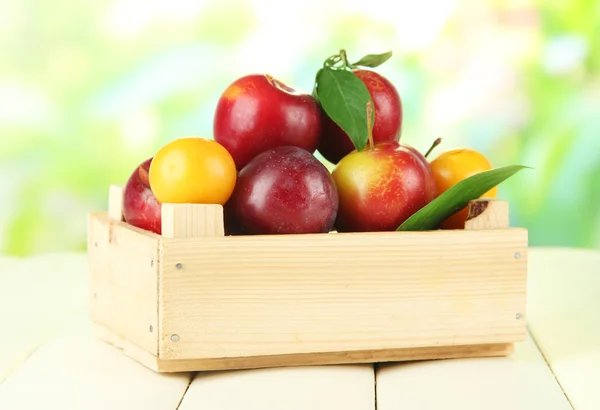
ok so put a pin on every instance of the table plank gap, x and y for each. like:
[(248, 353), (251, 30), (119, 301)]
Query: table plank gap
[(564, 298), (74, 371), (550, 369), (38, 295), (192, 376), (518, 382), (348, 387)]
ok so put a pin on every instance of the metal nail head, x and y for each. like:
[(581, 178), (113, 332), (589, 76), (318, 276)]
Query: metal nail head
[(518, 255), (179, 266), (518, 316), (151, 328), (151, 263), (175, 338)]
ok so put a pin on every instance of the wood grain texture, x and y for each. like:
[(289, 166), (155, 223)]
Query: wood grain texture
[(191, 220), (249, 296), (115, 202), (148, 359), (332, 358), (487, 213), (300, 360), (123, 266)]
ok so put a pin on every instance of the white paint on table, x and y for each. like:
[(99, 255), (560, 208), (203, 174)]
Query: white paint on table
[(522, 381), (564, 316), (348, 387), (75, 372), (38, 295)]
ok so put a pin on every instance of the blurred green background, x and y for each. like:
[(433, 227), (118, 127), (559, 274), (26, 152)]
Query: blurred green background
[(90, 89)]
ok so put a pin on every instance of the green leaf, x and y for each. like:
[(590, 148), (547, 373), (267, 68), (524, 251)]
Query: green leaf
[(457, 197), (344, 97), (373, 60)]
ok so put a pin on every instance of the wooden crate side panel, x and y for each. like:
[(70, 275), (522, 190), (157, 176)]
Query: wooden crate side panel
[(251, 296), (135, 352), (317, 359), (124, 281)]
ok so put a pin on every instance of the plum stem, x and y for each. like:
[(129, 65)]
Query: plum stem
[(370, 123), (335, 59), (344, 58), (435, 144), (144, 177)]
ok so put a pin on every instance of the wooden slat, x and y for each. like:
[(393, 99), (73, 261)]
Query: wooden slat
[(145, 357), (564, 307), (37, 295), (115, 202), (75, 372), (247, 296), (520, 382), (123, 264), (308, 359), (191, 220), (349, 387), (486, 213)]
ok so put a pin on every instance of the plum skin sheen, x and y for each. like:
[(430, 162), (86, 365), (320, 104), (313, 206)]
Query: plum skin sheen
[(381, 186), (285, 190)]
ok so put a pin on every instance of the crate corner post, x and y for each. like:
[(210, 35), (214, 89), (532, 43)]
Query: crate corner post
[(191, 220), (181, 223), (493, 214), (123, 269)]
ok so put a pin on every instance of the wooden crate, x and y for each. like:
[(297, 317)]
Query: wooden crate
[(194, 299)]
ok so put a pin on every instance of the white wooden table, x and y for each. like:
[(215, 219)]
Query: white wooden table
[(49, 359)]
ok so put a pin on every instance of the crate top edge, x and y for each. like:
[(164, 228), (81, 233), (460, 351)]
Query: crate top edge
[(103, 216)]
